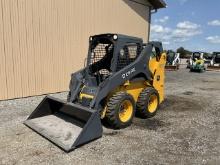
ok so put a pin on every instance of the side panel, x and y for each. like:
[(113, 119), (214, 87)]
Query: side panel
[(159, 76), (132, 88), (43, 41), (3, 81)]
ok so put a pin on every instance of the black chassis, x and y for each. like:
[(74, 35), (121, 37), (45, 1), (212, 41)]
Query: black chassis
[(196, 55), (216, 56), (138, 68), (170, 58)]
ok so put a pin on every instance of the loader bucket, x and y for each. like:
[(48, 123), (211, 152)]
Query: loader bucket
[(65, 124)]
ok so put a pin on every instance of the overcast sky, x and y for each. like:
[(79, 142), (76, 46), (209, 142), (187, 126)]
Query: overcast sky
[(193, 24)]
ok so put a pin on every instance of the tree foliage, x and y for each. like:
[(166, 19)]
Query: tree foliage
[(183, 52)]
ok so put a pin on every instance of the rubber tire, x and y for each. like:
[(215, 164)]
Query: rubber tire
[(142, 103), (203, 70), (113, 107)]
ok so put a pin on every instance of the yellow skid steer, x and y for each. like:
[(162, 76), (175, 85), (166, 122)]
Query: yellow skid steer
[(123, 77)]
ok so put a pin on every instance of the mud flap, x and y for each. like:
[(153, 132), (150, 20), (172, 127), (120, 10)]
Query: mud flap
[(65, 124)]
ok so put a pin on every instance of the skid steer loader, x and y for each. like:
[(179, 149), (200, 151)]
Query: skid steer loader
[(197, 62), (215, 62), (123, 77), (209, 59), (173, 60)]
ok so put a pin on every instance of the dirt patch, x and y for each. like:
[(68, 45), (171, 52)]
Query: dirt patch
[(209, 89), (150, 124), (208, 81), (216, 123), (112, 133), (19, 133), (177, 103), (189, 93), (36, 153)]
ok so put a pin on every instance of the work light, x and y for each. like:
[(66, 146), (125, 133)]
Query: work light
[(115, 37)]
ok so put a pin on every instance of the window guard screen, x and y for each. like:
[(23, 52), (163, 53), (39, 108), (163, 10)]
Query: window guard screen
[(127, 55)]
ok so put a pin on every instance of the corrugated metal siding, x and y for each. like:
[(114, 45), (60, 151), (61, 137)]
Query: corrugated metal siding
[(43, 41)]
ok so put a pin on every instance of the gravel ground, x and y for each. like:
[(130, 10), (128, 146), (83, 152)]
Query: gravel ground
[(186, 130)]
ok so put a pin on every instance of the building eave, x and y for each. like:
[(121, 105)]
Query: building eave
[(157, 4)]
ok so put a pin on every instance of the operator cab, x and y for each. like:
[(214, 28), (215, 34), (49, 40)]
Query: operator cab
[(217, 57), (197, 56), (100, 57), (208, 56), (170, 57), (109, 53)]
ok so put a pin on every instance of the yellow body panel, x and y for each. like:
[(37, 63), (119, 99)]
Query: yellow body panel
[(133, 88), (200, 62), (157, 67), (85, 95)]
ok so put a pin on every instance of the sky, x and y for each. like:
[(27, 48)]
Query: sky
[(192, 24)]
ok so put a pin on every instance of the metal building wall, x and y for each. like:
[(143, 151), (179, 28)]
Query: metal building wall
[(43, 41)]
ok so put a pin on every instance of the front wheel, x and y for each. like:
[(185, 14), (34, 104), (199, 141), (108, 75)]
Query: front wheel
[(120, 110)]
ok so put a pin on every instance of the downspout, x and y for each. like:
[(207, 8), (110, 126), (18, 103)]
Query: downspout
[(150, 14)]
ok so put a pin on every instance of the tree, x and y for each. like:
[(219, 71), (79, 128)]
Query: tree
[(183, 52)]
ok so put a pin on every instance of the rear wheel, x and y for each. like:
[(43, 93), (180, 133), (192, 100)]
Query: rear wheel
[(203, 69), (147, 103), (120, 110)]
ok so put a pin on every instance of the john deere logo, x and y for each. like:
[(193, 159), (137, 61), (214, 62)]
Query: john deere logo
[(128, 73)]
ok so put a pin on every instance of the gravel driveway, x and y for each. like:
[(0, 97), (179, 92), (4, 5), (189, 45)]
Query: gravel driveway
[(186, 130)]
